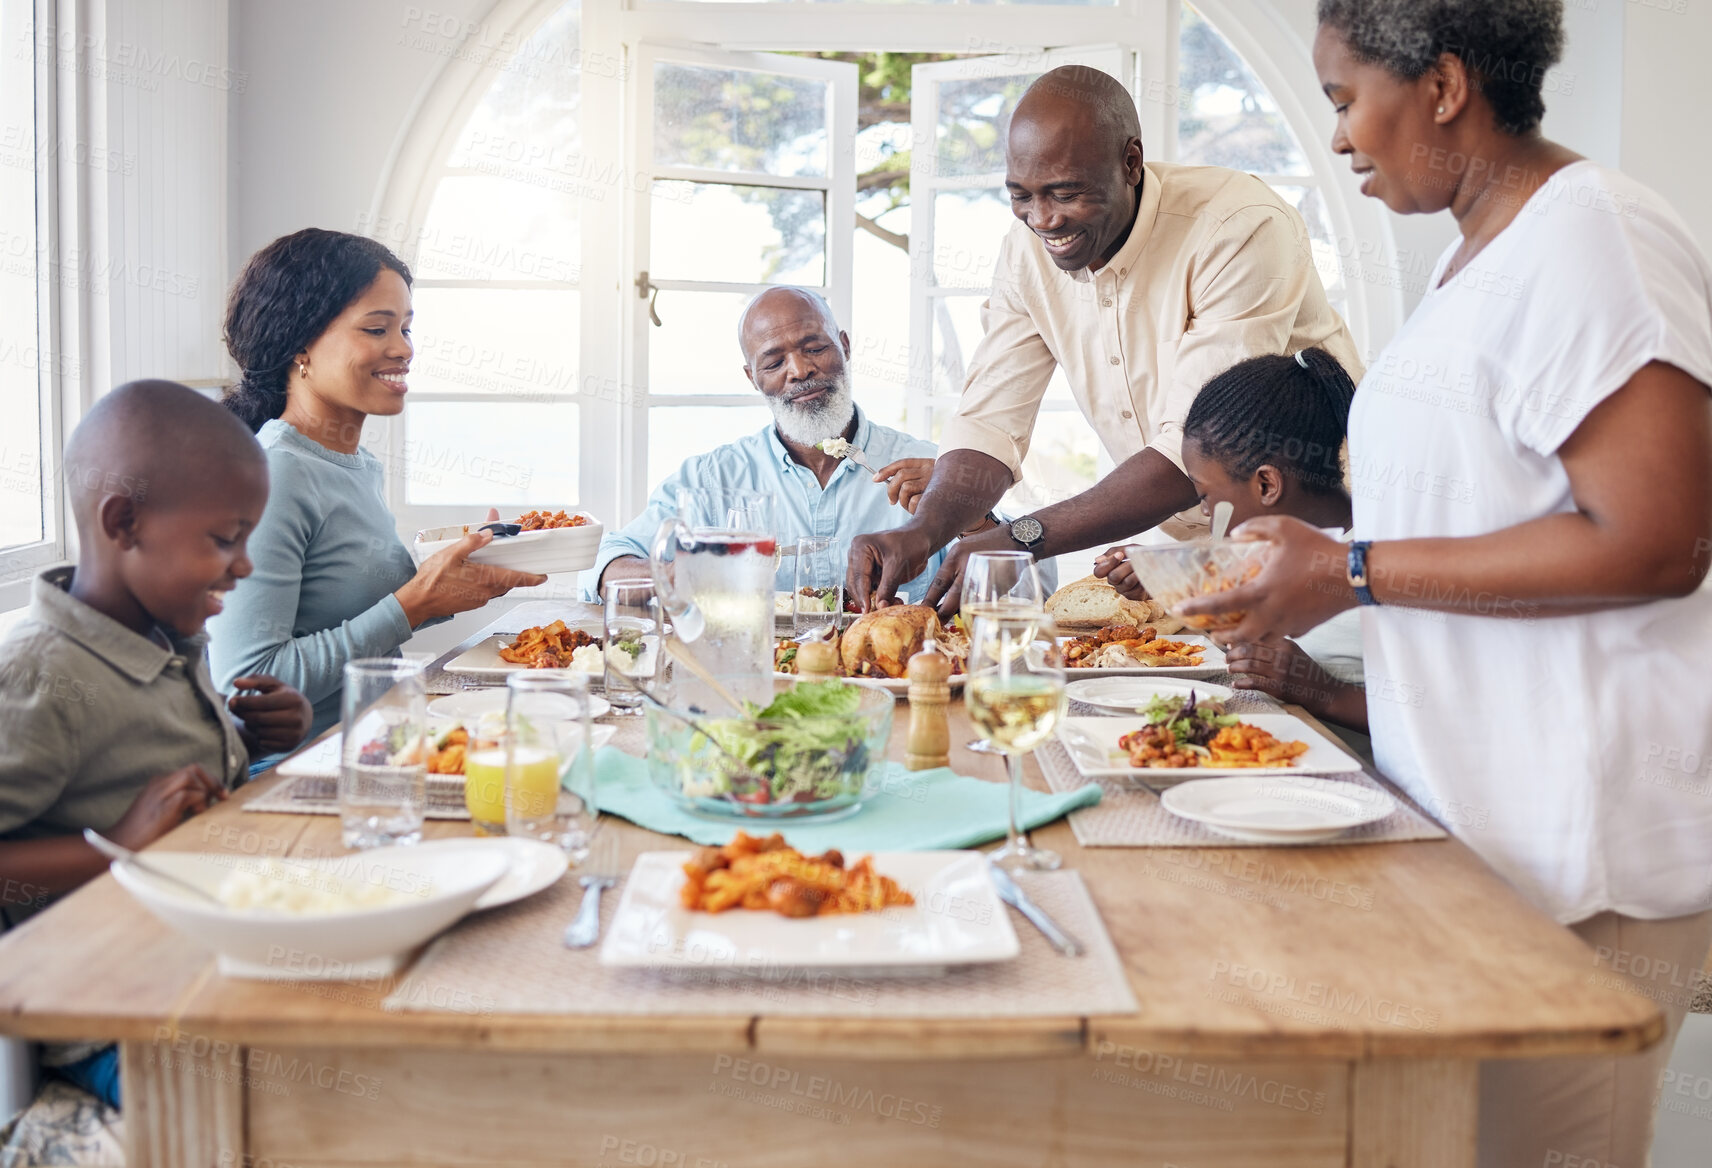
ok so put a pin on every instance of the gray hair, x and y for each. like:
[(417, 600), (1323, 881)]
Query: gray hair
[(1507, 45)]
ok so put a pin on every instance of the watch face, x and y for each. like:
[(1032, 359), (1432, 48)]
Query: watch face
[(1027, 530)]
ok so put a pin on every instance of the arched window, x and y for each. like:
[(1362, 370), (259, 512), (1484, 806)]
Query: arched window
[(575, 156)]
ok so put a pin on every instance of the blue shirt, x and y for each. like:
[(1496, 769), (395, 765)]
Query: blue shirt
[(327, 560), (851, 503)]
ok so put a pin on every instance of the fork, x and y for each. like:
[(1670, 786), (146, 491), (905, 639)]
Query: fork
[(601, 873)]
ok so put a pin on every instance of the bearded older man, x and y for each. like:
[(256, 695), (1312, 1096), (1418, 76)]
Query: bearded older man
[(794, 353)]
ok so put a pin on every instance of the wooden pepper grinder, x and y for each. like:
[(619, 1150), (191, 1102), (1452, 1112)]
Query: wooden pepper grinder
[(817, 661), (929, 694)]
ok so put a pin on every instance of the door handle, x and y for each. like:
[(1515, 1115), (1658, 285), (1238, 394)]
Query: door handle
[(645, 286)]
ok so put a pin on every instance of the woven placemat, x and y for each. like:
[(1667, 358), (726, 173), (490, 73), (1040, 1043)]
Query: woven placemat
[(512, 961), (319, 795), (1133, 817)]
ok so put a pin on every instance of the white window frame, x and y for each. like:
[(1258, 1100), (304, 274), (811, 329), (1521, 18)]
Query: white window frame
[(612, 361), (838, 185)]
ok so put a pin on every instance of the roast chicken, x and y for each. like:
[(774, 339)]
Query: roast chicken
[(880, 643)]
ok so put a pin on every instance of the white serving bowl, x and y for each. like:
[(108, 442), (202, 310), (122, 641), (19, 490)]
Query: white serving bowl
[(434, 889), (555, 549)]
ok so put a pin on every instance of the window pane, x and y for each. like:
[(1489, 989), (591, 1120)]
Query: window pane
[(738, 119), (968, 227), (533, 101), (695, 349), (676, 432), (973, 115), (1312, 205), (737, 235), (21, 494), (495, 340), (1225, 116), (486, 228), (488, 455)]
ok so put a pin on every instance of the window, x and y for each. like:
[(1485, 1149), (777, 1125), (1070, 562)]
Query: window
[(610, 174), (28, 498)]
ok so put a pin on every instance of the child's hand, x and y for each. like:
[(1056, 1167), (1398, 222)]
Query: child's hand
[(163, 804), (275, 717)]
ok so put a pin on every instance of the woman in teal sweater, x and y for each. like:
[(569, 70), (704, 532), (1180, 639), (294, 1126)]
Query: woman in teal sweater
[(319, 322)]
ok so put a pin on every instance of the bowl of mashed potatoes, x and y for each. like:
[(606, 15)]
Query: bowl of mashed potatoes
[(340, 917)]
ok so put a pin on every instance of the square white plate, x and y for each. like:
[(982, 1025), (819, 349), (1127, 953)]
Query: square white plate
[(957, 919), (483, 659), (1092, 744), (322, 761), (1212, 663)]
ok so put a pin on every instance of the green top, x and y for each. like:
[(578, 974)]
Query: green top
[(91, 711)]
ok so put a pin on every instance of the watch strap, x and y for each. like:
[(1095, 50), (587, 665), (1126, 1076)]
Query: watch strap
[(1357, 570)]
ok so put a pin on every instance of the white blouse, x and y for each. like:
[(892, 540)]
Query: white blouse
[(1574, 753)]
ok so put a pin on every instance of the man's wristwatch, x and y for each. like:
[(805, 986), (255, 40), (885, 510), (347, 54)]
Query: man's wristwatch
[(1358, 571), (987, 523), (1028, 532)]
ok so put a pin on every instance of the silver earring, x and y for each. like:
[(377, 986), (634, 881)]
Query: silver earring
[(1441, 109)]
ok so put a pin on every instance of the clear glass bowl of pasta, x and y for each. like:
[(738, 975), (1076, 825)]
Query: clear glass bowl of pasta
[(814, 753), (1172, 573)]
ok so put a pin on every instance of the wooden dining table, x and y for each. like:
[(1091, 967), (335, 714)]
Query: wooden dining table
[(1246, 1049)]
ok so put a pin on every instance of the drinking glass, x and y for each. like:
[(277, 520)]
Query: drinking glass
[(818, 600), (383, 773), (549, 772), (634, 620), (1001, 583), (1015, 696)]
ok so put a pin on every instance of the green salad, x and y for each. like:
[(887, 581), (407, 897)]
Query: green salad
[(809, 744), (1191, 722)]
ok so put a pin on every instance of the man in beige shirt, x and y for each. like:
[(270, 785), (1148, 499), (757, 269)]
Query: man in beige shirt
[(1143, 281)]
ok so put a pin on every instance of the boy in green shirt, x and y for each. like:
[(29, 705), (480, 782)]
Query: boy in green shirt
[(108, 717)]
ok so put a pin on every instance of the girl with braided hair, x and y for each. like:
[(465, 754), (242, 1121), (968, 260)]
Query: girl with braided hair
[(1267, 437)]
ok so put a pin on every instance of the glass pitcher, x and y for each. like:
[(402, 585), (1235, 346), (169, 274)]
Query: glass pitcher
[(713, 567)]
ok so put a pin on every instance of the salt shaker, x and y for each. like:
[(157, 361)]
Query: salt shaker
[(929, 694), (817, 661)]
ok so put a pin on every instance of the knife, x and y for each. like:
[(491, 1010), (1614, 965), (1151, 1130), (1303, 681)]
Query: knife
[(1012, 894)]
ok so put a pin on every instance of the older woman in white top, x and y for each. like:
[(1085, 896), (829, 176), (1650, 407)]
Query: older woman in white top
[(1531, 459)]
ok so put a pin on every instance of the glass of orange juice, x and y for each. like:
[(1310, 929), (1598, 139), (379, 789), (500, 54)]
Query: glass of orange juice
[(548, 770)]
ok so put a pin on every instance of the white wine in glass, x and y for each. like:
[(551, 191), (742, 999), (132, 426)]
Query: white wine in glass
[(1015, 696), (1001, 584)]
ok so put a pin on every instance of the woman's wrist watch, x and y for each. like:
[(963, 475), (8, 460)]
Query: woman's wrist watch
[(1357, 570)]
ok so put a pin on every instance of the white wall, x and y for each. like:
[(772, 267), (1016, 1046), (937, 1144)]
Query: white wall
[(1667, 89), (332, 87)]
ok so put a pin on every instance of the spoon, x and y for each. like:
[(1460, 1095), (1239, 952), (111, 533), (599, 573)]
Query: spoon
[(682, 653), (1222, 512), (125, 855)]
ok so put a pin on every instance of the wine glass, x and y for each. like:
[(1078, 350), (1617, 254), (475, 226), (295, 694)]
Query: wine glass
[(1015, 696), (1001, 583)]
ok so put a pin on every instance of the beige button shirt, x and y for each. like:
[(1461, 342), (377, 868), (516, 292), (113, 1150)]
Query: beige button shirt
[(1217, 268)]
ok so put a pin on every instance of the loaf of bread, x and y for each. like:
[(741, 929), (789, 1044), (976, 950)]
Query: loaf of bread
[(1091, 603)]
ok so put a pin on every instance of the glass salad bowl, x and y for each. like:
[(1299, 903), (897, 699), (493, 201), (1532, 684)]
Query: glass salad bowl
[(813, 753), (1172, 573)]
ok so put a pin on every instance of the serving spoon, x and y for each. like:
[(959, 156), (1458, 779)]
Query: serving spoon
[(125, 855), (1222, 512)]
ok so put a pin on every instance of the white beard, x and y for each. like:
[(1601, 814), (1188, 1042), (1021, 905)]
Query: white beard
[(809, 425)]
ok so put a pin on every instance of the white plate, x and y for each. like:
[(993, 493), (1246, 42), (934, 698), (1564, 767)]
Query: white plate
[(483, 659), (534, 865), (1127, 695), (322, 761), (957, 919), (897, 686), (473, 703), (1278, 809), (1212, 663), (1093, 746), (557, 549)]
